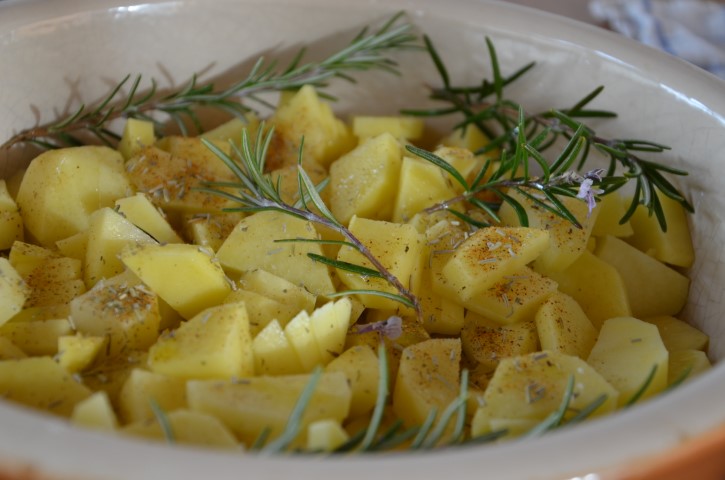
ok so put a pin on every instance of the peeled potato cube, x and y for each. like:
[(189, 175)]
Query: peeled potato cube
[(360, 366), (108, 234), (187, 428), (305, 114), (82, 179), (596, 286), (513, 299), (120, 309), (652, 287), (13, 291), (490, 254), (273, 352), (679, 335), (142, 388), (95, 412), (428, 378), (673, 246), (532, 386), (325, 435), (626, 353), (187, 277), (567, 241), (258, 404), (215, 343), (563, 327), (363, 182), (136, 135), (249, 247), (76, 352), (485, 342), (39, 382), (139, 210), (11, 223), (408, 128), (685, 365), (398, 247)]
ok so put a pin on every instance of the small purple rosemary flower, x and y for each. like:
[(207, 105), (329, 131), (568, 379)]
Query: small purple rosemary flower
[(391, 328), (587, 191)]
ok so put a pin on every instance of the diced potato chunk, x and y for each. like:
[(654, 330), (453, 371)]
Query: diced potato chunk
[(215, 343), (142, 387), (408, 128), (295, 297), (485, 342), (82, 179), (673, 246), (120, 309), (398, 247), (137, 134), (563, 327), (187, 428), (611, 210), (363, 182), (187, 277), (304, 114), (596, 286), (513, 299), (36, 337), (679, 335), (488, 255), (139, 210), (249, 248), (252, 405), (626, 353), (325, 436), (567, 241), (532, 386), (360, 366), (9, 351), (170, 171), (95, 412), (11, 223), (108, 234), (39, 382), (13, 291), (421, 185), (652, 287), (685, 365), (273, 352), (428, 378), (76, 352)]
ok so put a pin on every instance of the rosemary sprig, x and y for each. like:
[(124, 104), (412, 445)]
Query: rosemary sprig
[(256, 191), (507, 124), (163, 421), (367, 51)]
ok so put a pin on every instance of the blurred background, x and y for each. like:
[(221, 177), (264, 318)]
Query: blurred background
[(690, 29)]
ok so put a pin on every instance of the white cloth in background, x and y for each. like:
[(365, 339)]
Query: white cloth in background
[(690, 29)]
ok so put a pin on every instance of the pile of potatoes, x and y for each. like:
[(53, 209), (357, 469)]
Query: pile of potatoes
[(125, 291)]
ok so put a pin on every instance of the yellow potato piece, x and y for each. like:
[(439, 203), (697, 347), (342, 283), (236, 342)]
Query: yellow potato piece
[(626, 353), (666, 289), (252, 405), (187, 277), (82, 179), (428, 378), (13, 291), (487, 256), (39, 382), (215, 343)]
